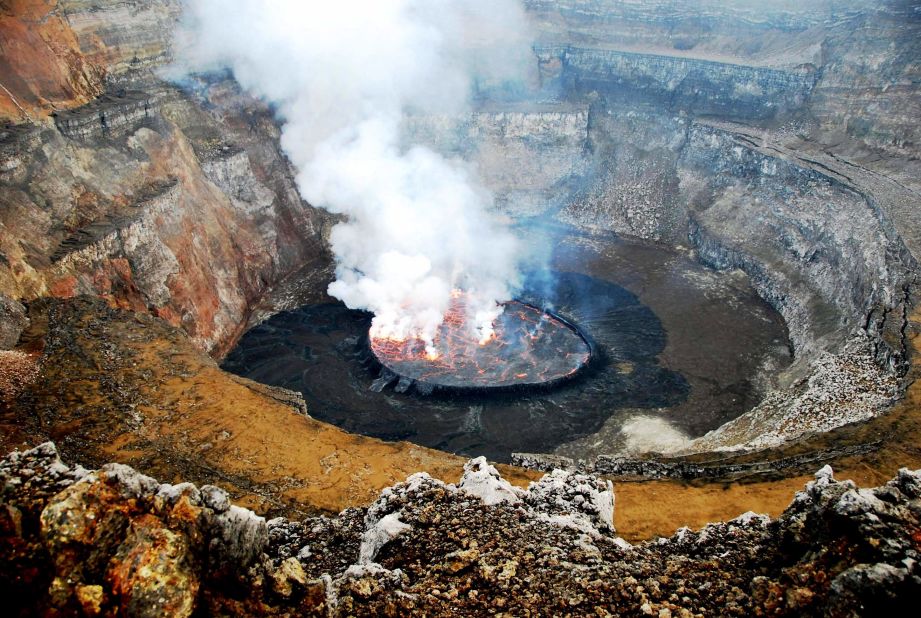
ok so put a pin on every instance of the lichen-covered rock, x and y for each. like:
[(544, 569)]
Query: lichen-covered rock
[(114, 538), (152, 572)]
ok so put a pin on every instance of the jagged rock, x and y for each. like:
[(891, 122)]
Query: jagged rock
[(710, 87), (152, 572), (13, 320), (115, 540), (583, 500), (91, 599), (484, 481), (540, 461), (287, 576)]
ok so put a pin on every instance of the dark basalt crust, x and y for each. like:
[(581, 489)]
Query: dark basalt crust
[(390, 373)]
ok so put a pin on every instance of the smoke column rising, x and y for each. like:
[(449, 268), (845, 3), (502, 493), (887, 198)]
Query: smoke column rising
[(342, 74)]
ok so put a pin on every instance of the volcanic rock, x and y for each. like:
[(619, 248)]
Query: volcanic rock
[(81, 543)]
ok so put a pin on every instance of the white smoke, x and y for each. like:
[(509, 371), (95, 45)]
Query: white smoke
[(342, 73)]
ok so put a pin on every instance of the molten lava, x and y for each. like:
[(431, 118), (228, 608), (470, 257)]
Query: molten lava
[(526, 346)]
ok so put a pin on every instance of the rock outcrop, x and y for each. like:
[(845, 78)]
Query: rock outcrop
[(705, 87), (114, 541), (771, 138), (159, 207), (175, 202)]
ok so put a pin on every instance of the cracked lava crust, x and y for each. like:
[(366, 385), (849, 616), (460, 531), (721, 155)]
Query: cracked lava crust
[(529, 347)]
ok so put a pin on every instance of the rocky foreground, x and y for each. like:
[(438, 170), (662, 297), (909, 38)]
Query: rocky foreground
[(114, 541)]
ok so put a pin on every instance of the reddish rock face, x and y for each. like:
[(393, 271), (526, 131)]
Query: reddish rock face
[(119, 540), (139, 195), (42, 63), (153, 569), (167, 234)]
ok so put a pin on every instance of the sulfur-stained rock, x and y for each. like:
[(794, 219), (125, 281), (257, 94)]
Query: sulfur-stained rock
[(287, 576), (153, 572), (83, 526), (115, 541), (91, 599)]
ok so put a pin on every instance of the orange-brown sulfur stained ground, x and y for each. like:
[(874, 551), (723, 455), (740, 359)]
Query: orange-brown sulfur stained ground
[(167, 409), (124, 387)]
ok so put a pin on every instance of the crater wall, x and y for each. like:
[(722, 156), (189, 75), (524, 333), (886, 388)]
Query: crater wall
[(776, 137), (175, 202)]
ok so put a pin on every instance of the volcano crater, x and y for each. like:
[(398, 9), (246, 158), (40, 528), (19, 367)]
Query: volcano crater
[(654, 334)]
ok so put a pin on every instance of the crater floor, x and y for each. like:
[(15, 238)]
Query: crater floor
[(676, 341)]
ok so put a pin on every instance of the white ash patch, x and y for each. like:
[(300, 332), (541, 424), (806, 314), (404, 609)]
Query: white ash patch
[(379, 534), (563, 498), (171, 494), (238, 535), (484, 481), (586, 500), (382, 522), (130, 482), (750, 517), (651, 434)]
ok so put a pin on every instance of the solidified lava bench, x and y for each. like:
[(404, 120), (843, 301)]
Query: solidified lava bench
[(530, 348)]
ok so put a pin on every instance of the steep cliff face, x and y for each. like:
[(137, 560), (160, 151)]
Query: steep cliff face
[(746, 32), (157, 205), (42, 65), (632, 180), (681, 83), (126, 39), (869, 85), (789, 191), (775, 138), (527, 156), (61, 54), (176, 203), (818, 249), (851, 64)]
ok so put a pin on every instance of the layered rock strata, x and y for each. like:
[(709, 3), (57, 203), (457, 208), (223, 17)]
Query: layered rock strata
[(174, 202)]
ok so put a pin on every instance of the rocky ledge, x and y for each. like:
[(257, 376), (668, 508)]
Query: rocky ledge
[(115, 541)]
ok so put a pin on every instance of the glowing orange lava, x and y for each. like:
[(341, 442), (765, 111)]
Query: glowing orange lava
[(526, 346)]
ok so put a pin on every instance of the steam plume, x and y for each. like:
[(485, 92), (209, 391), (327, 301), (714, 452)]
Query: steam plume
[(342, 74)]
